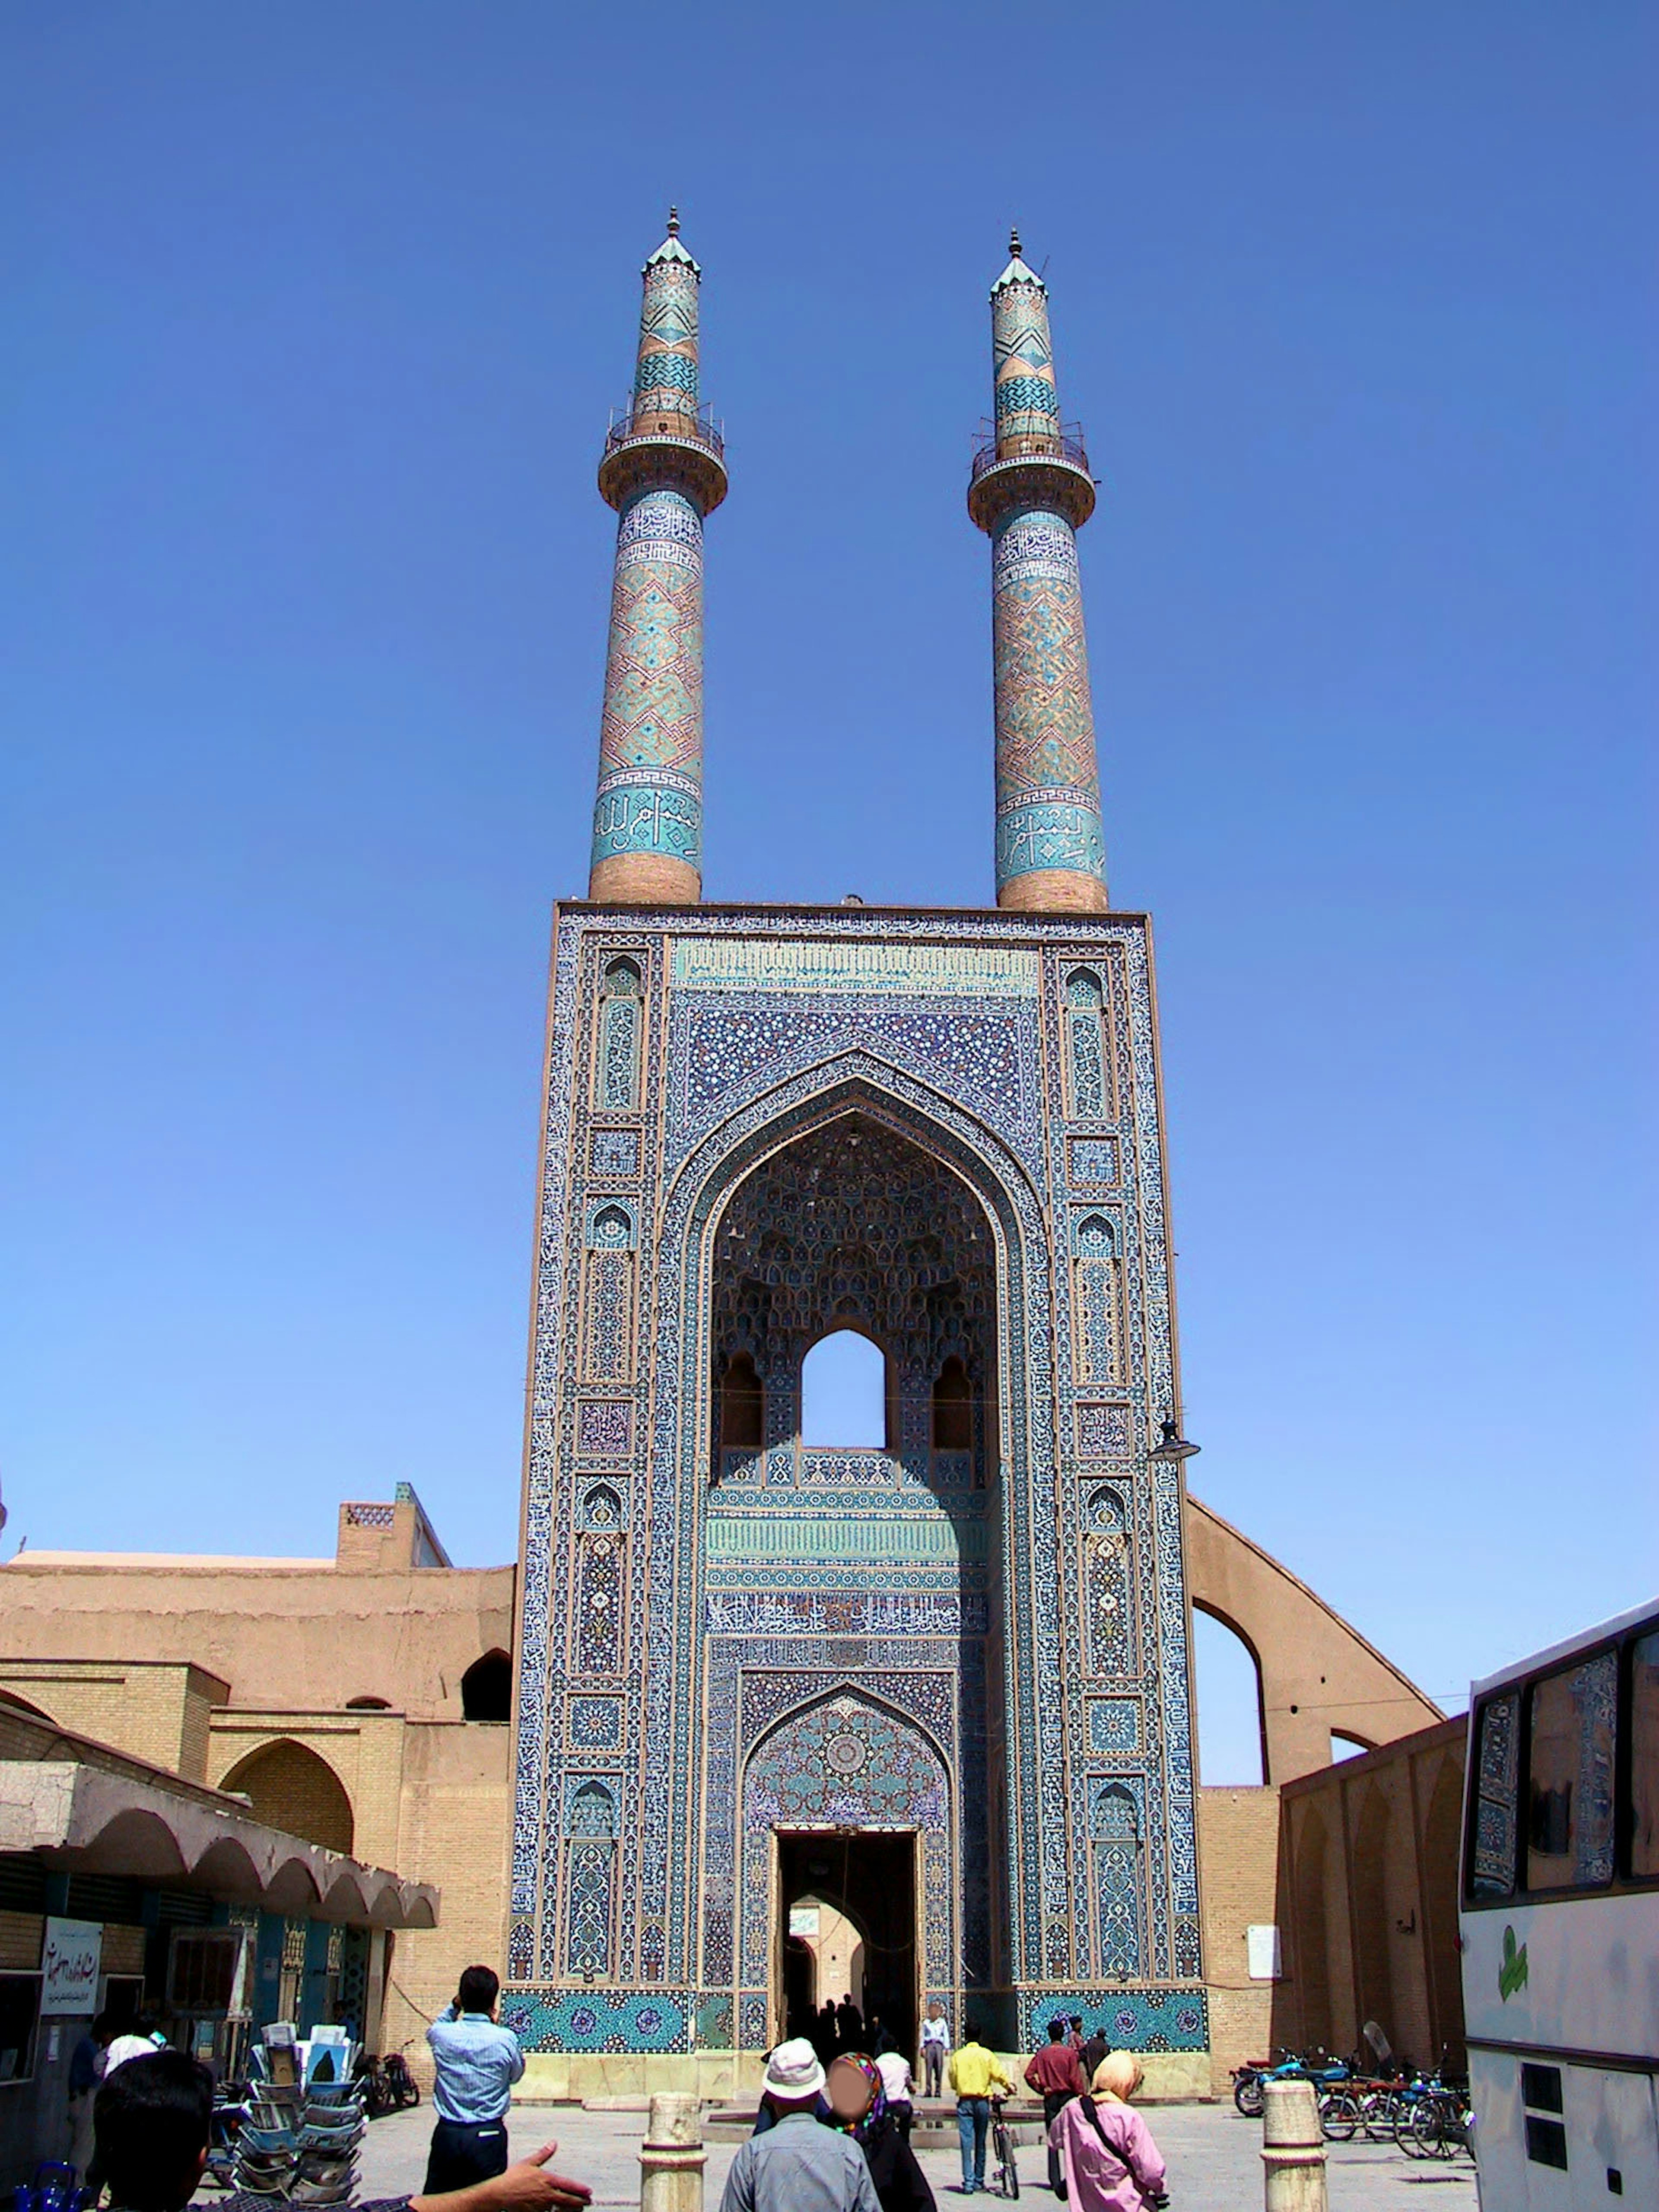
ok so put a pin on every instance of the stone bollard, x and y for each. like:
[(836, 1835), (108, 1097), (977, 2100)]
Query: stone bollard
[(1292, 2148), (671, 2157)]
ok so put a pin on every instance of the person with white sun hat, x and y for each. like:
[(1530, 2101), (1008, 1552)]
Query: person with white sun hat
[(798, 2165)]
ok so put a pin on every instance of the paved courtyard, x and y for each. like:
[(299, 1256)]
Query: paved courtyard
[(1214, 2160)]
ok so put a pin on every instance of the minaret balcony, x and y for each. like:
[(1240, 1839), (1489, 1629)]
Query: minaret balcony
[(649, 448), (1034, 468)]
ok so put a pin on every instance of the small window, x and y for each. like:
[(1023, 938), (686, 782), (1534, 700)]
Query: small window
[(1547, 2143), (1644, 1756), (369, 1705), (20, 2020), (1569, 1776), (1493, 1821), (1540, 2088), (487, 1688), (743, 1406), (953, 1408)]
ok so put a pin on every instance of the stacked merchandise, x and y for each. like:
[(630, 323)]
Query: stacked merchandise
[(304, 2118)]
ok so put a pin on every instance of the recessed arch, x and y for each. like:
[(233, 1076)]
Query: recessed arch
[(369, 1705), (1371, 1910), (291, 1787), (691, 1236), (487, 1688)]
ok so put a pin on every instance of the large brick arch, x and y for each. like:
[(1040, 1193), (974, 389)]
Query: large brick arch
[(1317, 1673)]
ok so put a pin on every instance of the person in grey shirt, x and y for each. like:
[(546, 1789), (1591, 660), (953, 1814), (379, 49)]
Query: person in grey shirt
[(798, 2166)]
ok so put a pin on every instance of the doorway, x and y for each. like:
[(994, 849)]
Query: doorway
[(851, 1882)]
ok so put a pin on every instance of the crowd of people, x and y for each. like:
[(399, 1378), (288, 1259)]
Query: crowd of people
[(816, 2118), (832, 2133)]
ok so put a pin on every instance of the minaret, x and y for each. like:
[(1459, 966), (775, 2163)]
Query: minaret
[(662, 471), (1031, 492)]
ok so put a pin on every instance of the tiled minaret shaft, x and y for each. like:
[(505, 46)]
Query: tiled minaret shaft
[(1031, 493), (663, 473)]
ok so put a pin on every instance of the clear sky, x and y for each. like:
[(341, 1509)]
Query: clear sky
[(314, 315)]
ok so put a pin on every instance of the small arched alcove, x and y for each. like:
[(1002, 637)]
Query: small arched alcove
[(843, 1392), (953, 1408), (290, 1788), (743, 1406), (1227, 1701), (487, 1688)]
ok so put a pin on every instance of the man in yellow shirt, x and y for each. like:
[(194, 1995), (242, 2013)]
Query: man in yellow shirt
[(975, 2074)]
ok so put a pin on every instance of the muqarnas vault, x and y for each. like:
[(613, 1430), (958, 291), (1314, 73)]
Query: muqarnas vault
[(943, 1682)]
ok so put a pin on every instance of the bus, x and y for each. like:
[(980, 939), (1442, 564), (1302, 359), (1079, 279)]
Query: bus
[(1559, 1922)]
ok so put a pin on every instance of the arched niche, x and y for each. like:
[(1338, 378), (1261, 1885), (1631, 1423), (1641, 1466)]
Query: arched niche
[(289, 1787), (487, 1688)]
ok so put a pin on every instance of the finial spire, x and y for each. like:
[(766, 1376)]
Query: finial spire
[(1014, 253), (1032, 491), (663, 473)]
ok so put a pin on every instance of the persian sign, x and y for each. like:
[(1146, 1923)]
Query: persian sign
[(69, 1956), (916, 971)]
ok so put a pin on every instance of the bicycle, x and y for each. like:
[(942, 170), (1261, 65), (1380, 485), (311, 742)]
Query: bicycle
[(1004, 2179)]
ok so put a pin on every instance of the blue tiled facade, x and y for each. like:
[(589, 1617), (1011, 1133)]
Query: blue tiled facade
[(945, 1131)]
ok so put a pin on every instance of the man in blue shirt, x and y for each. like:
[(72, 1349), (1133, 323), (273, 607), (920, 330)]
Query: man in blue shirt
[(477, 2064)]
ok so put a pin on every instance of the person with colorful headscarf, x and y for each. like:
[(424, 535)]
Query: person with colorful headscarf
[(1111, 2162), (859, 2107)]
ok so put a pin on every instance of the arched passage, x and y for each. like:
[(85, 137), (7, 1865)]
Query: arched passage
[(843, 1392), (292, 1789), (852, 1803), (1232, 1732)]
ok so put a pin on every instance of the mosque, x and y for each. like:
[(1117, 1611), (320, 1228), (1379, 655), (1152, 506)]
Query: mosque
[(936, 1684)]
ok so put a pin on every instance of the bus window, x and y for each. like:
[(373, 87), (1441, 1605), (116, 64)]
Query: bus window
[(1644, 1756), (1569, 1776), (1491, 1870)]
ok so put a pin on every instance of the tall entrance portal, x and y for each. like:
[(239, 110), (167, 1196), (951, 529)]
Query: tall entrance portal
[(955, 1640), (860, 1882)]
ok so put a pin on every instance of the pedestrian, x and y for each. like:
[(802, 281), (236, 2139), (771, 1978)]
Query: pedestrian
[(935, 2048), (796, 2165), (823, 2037), (857, 2090), (849, 2024), (899, 2083), (1095, 2047), (1112, 2164), (154, 2115), (1053, 2071), (478, 2063), (973, 2070), (140, 2038), (87, 2062), (1075, 2038)]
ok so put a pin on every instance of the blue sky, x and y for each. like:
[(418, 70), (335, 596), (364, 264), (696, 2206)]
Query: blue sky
[(315, 315)]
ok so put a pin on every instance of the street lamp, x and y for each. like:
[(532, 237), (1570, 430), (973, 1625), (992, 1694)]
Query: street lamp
[(1172, 1447)]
